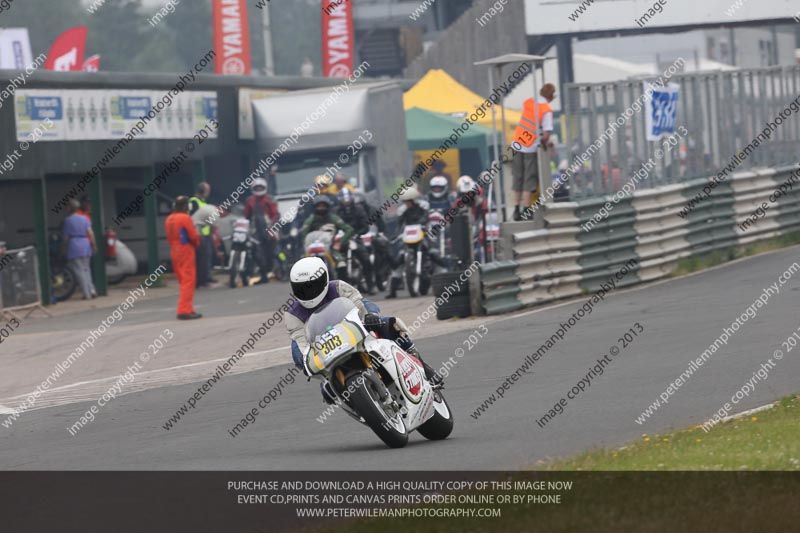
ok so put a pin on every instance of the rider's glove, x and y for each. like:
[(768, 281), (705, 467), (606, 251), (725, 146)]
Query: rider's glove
[(371, 320)]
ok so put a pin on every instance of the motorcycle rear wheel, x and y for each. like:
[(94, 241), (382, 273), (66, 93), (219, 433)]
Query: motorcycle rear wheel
[(366, 401)]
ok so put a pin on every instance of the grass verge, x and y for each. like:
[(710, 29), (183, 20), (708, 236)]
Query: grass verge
[(767, 440), (718, 257), (731, 478)]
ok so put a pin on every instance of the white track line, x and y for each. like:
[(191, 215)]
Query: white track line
[(749, 412), (156, 371)]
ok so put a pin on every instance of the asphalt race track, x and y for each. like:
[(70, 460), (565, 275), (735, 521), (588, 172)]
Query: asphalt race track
[(680, 319)]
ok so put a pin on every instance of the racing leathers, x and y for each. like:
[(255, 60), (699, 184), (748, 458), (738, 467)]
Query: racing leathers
[(417, 214), (441, 204), (262, 211), (356, 217), (315, 223), (391, 328)]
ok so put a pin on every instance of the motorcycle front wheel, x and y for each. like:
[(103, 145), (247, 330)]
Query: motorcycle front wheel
[(234, 270), (440, 424), (63, 283), (366, 400)]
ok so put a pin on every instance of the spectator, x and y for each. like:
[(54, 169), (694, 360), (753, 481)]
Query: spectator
[(205, 251), (307, 68), (183, 240), (86, 208), (80, 243)]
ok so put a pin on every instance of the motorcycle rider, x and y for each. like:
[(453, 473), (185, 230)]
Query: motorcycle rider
[(339, 184), (323, 215), (262, 212), (413, 211), (354, 215), (312, 289), (439, 196), (470, 197)]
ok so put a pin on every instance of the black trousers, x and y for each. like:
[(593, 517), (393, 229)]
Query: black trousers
[(266, 257)]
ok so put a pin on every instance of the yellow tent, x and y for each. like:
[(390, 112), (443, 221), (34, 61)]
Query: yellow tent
[(437, 91)]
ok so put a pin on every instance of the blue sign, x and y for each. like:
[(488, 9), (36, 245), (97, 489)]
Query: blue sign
[(209, 108), (662, 112), (38, 108)]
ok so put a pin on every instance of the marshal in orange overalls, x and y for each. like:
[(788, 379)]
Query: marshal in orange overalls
[(183, 239)]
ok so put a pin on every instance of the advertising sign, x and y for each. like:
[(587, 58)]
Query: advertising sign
[(337, 38)]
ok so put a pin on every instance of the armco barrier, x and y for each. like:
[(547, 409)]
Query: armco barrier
[(564, 261)]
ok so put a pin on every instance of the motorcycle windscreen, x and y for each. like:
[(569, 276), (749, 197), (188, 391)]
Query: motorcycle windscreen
[(332, 331), (324, 237)]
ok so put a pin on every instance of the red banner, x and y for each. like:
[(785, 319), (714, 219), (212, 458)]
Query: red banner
[(92, 64), (231, 37), (68, 50), (337, 38)]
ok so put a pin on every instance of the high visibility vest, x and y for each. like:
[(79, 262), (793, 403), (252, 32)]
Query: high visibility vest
[(532, 114), (205, 230)]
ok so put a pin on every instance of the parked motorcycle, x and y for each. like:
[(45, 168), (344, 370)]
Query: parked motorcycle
[(120, 261), (63, 280), (418, 265), (376, 382)]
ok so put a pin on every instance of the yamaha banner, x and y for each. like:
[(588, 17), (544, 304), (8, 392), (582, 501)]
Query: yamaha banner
[(337, 38), (231, 37), (68, 50)]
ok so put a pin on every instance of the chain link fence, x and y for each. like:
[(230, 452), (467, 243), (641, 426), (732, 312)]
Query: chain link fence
[(718, 115)]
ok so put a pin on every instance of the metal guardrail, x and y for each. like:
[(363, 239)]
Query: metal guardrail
[(564, 261), (19, 281)]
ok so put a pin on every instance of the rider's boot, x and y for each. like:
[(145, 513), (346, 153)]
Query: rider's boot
[(326, 394), (430, 374), (370, 283), (393, 284)]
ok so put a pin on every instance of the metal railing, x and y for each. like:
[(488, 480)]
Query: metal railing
[(722, 113), (19, 281)]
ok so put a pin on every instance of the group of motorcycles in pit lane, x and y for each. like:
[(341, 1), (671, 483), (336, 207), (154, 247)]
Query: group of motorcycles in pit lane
[(370, 259)]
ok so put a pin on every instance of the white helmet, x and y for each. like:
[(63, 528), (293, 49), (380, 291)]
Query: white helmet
[(309, 280), (259, 187), (438, 186), (410, 195), (465, 184)]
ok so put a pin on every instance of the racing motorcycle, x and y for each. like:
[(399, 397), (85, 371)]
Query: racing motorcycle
[(287, 252), (377, 246), (318, 244), (243, 246), (418, 265), (353, 270), (438, 244), (373, 379)]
